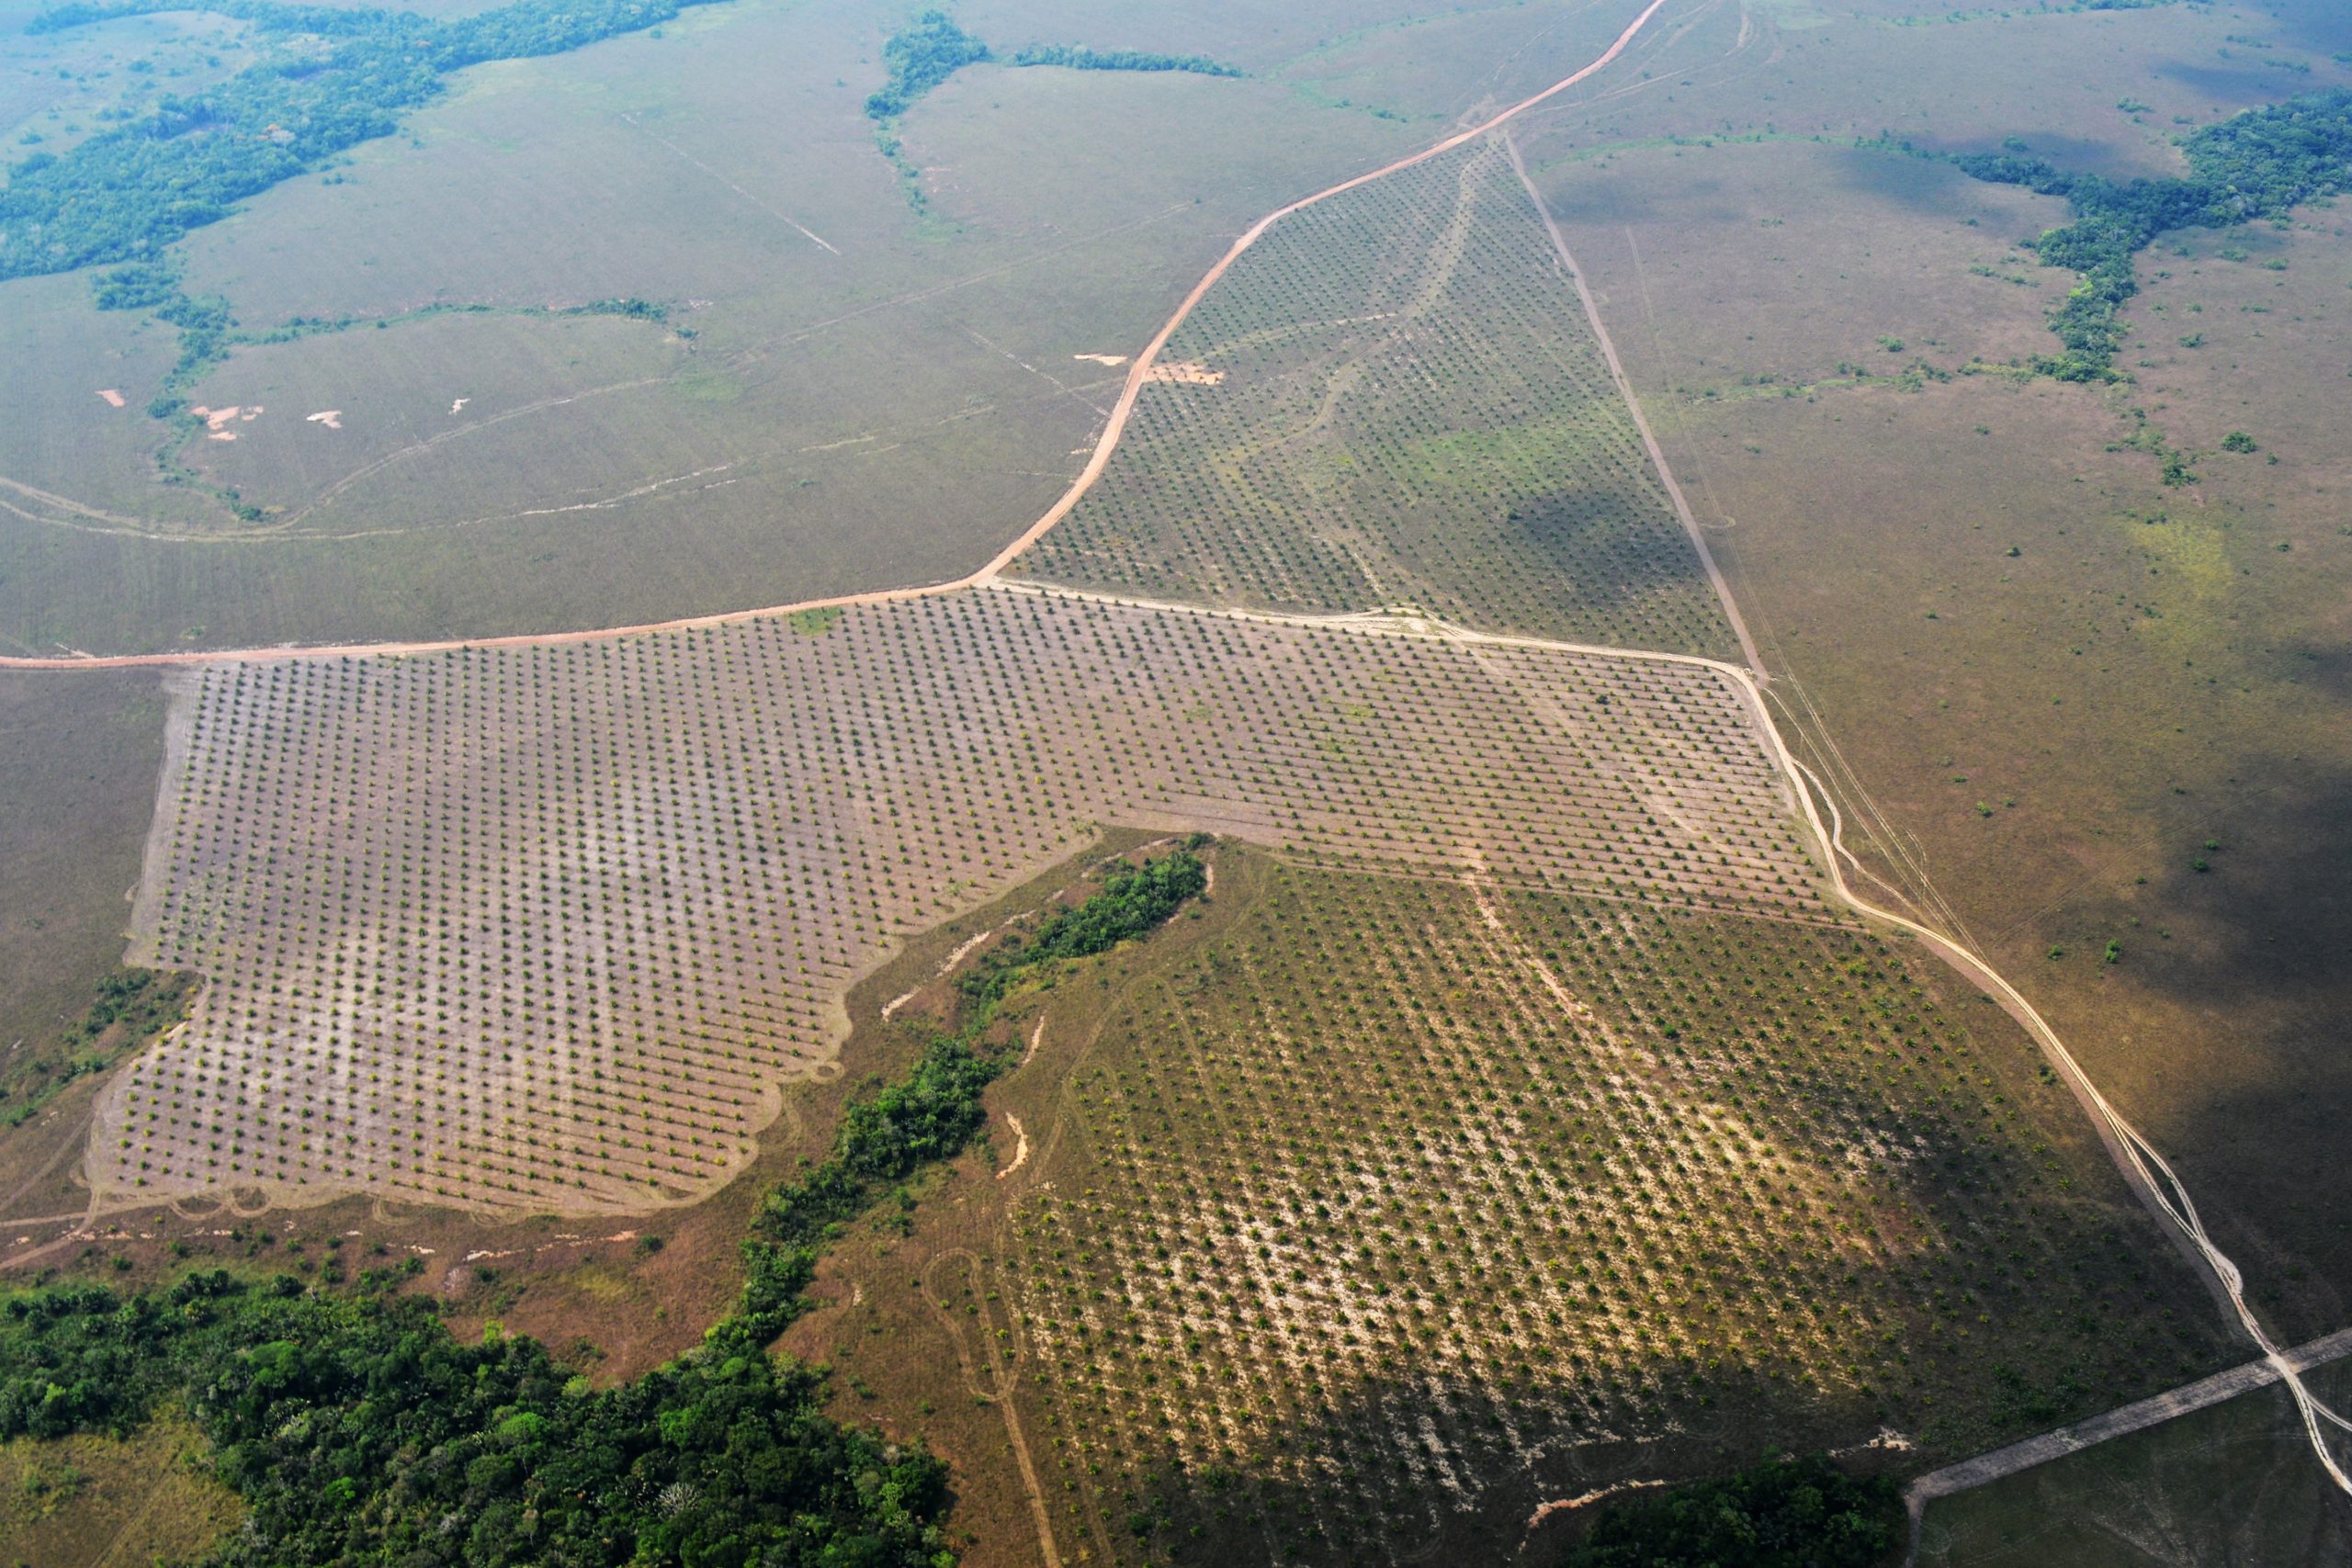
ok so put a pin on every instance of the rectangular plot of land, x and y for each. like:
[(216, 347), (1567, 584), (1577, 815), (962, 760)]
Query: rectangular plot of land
[(550, 926)]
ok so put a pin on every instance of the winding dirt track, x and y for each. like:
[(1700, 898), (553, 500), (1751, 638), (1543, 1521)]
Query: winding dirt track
[(1138, 374)]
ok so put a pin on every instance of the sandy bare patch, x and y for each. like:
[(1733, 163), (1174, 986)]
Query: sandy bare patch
[(1102, 359), (113, 397), (222, 436), (456, 404), (1188, 372), (220, 419), (330, 418), (1570, 1505)]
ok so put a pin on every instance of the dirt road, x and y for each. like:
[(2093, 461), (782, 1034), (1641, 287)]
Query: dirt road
[(1139, 373), (2134, 1417), (2150, 1176), (1641, 422)]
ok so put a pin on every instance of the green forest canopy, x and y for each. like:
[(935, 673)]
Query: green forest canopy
[(331, 80), (1784, 1513), (2260, 163), (334, 78), (922, 55)]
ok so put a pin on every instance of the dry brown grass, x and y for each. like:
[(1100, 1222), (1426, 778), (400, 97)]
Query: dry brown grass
[(94, 1502)]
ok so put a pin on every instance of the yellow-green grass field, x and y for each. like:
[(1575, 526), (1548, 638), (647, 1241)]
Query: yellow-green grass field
[(1359, 1218)]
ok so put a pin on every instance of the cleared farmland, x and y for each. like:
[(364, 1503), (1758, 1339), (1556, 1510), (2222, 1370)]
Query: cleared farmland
[(1401, 1208), (1394, 397), (548, 925)]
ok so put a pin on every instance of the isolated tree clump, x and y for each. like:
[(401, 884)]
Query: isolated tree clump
[(1785, 1513)]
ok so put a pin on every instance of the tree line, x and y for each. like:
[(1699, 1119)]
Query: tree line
[(933, 1112), (1078, 57), (1783, 1512), (930, 49)]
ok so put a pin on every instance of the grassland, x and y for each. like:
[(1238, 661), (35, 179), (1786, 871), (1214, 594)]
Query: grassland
[(1502, 1130), (2102, 90), (613, 896), (77, 790), (1391, 398), (96, 1502), (2232, 1483), (848, 394), (58, 89), (2178, 633)]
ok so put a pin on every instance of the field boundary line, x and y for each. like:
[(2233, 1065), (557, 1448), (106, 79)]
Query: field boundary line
[(1641, 422), (1138, 375), (2137, 1417), (2144, 1170), (2141, 1164)]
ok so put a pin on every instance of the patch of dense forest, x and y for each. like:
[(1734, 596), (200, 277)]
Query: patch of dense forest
[(332, 79), (1078, 57), (358, 1430), (1785, 1513), (934, 48), (919, 59), (2257, 164), (935, 1111)]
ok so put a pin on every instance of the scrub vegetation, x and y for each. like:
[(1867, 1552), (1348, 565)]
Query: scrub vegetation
[(1498, 1123), (354, 1427)]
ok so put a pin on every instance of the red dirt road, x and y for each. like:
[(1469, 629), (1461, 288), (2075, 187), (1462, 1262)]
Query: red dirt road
[(1138, 374)]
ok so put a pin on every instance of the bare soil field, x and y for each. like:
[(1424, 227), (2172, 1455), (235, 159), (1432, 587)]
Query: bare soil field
[(1410, 408), (1515, 1118), (547, 927)]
